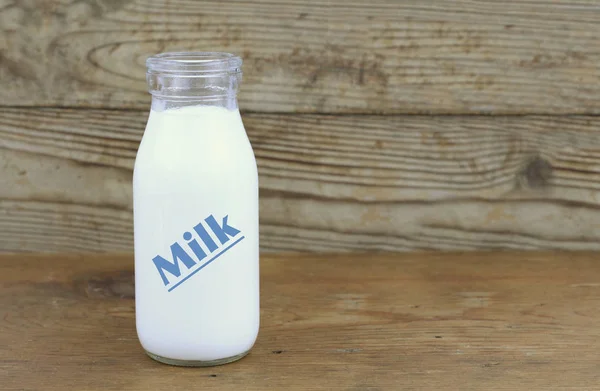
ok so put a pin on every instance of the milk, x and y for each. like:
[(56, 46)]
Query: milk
[(196, 237)]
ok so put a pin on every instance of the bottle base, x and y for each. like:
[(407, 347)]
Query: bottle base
[(196, 363)]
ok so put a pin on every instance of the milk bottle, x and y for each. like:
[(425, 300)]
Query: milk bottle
[(195, 193)]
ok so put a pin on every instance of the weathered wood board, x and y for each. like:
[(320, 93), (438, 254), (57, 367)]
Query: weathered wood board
[(382, 56), (364, 118), (352, 322), (327, 182)]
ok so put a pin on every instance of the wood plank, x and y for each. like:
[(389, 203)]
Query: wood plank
[(331, 56), (502, 321), (328, 183)]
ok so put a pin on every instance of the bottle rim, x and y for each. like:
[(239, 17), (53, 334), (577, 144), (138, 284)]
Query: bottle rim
[(195, 63)]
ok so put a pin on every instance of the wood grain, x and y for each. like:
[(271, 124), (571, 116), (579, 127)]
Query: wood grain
[(478, 321), (330, 56), (328, 183)]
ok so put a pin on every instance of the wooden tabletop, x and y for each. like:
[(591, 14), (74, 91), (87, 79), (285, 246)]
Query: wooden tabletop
[(469, 321)]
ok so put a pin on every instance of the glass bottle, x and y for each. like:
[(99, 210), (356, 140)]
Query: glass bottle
[(195, 198)]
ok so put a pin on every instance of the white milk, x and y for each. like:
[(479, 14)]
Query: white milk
[(195, 162)]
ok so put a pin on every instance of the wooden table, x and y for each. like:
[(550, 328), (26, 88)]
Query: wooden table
[(470, 321)]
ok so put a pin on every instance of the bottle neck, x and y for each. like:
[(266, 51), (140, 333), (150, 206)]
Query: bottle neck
[(191, 79), (160, 103)]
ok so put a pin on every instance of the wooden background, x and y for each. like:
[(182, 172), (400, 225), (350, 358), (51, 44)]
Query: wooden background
[(379, 125)]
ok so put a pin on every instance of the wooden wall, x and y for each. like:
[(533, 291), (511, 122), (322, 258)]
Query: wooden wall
[(379, 125)]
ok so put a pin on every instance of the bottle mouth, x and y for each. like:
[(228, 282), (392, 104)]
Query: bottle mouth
[(197, 64)]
